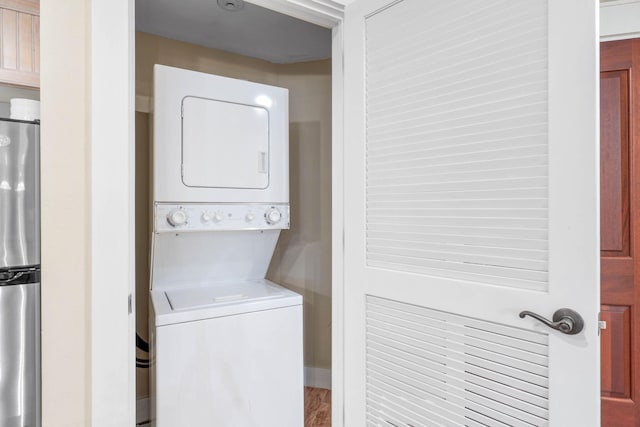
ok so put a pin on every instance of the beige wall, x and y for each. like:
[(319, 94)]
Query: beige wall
[(65, 112), (302, 260), (152, 50)]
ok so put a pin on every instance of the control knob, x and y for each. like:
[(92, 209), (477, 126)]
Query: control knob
[(273, 216), (177, 217), (206, 216), (218, 217)]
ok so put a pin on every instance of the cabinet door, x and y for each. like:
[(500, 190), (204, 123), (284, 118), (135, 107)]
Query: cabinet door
[(20, 43)]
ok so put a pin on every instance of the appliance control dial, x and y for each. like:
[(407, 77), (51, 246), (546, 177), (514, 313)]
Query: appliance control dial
[(177, 217), (273, 216), (206, 216), (218, 217)]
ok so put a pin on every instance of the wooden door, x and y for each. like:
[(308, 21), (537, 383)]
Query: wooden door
[(620, 235), (471, 194)]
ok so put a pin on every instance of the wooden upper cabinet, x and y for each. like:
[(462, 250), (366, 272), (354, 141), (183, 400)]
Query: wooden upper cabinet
[(20, 43)]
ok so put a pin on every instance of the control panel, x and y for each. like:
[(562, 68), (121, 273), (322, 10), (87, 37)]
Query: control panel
[(210, 217)]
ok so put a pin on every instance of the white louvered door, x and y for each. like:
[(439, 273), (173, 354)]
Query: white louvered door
[(471, 194)]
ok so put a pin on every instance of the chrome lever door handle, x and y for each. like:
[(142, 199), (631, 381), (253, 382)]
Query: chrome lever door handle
[(565, 320)]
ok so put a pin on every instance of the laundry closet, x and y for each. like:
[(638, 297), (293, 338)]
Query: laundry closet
[(301, 260)]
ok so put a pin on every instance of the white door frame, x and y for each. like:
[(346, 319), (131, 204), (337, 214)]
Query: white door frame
[(112, 194), (326, 13)]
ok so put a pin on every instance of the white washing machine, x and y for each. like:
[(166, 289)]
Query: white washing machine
[(226, 344)]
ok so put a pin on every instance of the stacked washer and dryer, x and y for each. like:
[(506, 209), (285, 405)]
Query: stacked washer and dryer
[(226, 343)]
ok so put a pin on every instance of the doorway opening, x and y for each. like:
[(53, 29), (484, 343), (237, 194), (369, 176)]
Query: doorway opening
[(262, 46)]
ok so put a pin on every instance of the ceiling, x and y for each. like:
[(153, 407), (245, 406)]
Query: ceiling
[(252, 31)]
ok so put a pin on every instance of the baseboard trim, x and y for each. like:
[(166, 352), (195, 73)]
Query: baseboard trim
[(143, 104), (317, 377), (143, 413)]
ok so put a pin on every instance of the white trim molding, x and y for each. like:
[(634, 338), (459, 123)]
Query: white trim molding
[(337, 233), (326, 13), (619, 19), (112, 169)]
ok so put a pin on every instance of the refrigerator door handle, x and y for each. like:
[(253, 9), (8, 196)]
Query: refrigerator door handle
[(10, 280)]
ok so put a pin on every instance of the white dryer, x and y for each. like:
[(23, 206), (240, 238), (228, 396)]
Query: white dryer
[(226, 343), (217, 139)]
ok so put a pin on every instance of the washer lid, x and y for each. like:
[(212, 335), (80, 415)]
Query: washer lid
[(222, 294), (220, 299)]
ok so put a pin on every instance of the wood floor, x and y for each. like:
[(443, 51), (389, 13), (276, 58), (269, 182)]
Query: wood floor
[(317, 407)]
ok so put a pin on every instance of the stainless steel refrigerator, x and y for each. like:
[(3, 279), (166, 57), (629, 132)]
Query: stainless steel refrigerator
[(19, 273)]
